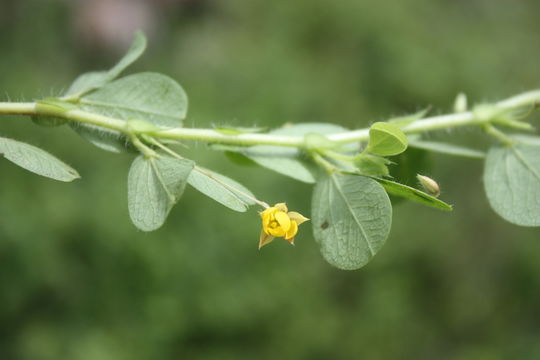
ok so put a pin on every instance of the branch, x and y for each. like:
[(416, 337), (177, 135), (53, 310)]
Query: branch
[(469, 118)]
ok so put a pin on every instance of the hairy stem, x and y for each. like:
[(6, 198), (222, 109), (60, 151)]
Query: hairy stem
[(16, 108), (212, 136)]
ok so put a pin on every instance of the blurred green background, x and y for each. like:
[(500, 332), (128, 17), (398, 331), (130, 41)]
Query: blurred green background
[(78, 281)]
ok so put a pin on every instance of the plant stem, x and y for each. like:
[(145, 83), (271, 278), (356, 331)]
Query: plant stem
[(145, 150), (15, 108), (499, 135), (325, 164), (211, 136)]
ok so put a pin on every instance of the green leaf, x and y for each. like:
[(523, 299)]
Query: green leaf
[(238, 158), (407, 192), (36, 160), (410, 163), (512, 183), (105, 139), (154, 186), (48, 121), (94, 80), (449, 149), (372, 165), (352, 216), (87, 82), (386, 139), (151, 97), (289, 161), (220, 188), (282, 160), (526, 139)]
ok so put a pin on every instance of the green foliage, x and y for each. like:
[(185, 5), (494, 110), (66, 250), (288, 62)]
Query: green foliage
[(410, 163), (292, 161), (288, 162), (386, 139), (152, 97), (94, 80), (48, 121), (512, 183), (155, 98), (154, 186), (36, 160), (368, 164), (144, 112), (105, 139), (79, 282), (352, 216), (51, 121), (238, 158), (527, 139), (410, 193), (220, 188), (449, 149)]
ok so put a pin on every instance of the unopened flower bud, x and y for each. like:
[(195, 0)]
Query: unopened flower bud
[(429, 185), (460, 105)]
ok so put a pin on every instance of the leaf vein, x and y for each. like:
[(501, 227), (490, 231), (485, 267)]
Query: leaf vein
[(351, 210)]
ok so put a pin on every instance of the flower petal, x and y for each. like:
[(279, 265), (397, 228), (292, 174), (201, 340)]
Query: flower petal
[(283, 220), (268, 212), (265, 239), (281, 207), (299, 218), (279, 232), (292, 231), (266, 218)]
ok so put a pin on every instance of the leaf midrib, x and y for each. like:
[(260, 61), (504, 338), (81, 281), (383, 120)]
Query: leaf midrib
[(365, 237), (228, 188), (157, 173), (123, 107), (521, 159)]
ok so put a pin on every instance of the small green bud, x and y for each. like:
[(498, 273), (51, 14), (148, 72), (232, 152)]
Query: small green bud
[(460, 104), (429, 185)]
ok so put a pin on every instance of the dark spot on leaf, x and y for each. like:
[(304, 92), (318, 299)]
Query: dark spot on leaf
[(324, 225)]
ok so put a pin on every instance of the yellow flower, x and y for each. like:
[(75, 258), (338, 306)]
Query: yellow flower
[(278, 221)]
